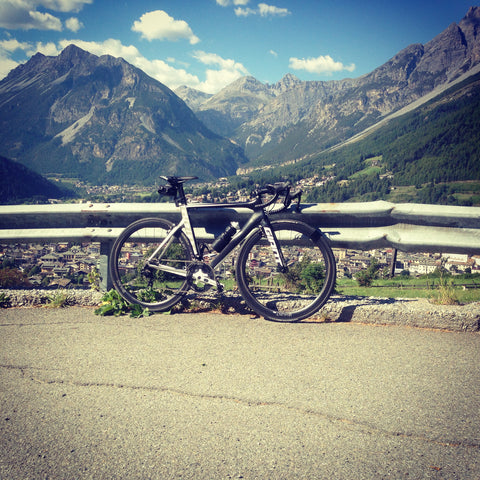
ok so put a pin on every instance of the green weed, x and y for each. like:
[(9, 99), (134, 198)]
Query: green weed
[(60, 299), (114, 304), (4, 300), (94, 279)]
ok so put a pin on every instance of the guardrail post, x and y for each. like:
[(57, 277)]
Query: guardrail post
[(393, 264), (103, 266)]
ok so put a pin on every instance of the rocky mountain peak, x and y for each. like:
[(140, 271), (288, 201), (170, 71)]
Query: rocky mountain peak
[(472, 14), (243, 86), (288, 81), (192, 97), (74, 54)]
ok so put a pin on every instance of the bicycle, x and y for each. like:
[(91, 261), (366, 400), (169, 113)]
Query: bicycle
[(285, 270)]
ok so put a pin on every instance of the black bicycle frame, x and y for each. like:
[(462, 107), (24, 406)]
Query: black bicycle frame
[(258, 218)]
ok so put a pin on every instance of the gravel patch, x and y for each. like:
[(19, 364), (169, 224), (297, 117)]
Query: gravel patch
[(37, 298)]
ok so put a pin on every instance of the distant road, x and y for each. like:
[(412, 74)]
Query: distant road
[(210, 396)]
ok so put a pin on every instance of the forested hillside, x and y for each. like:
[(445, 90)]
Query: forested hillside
[(424, 156), (18, 184)]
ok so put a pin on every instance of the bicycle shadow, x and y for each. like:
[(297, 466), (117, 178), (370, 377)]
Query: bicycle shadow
[(338, 309), (335, 312)]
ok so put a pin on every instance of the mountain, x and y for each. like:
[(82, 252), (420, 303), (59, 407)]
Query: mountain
[(102, 120), (193, 98), (295, 120), (18, 184), (235, 104), (428, 155)]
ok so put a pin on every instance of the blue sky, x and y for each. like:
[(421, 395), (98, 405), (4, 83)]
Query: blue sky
[(207, 44)]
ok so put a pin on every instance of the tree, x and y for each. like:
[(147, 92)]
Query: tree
[(366, 277), (313, 276), (305, 276), (12, 277)]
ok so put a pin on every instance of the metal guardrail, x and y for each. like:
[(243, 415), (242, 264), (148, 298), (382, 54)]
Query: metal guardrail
[(406, 227)]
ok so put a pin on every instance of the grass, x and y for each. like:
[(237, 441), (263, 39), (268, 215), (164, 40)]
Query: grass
[(463, 191), (399, 287), (4, 300), (366, 171)]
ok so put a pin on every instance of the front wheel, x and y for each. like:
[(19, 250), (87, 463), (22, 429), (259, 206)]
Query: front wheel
[(138, 276), (301, 288)]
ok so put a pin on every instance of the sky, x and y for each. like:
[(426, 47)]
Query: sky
[(207, 44)]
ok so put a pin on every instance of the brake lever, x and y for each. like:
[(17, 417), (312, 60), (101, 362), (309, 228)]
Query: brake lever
[(296, 196)]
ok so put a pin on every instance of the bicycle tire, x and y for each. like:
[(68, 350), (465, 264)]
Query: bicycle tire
[(153, 289), (300, 291)]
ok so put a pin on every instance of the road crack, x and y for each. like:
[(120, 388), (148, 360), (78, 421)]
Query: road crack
[(347, 423)]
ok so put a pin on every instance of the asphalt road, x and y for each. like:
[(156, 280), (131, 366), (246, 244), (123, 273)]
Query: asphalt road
[(210, 396)]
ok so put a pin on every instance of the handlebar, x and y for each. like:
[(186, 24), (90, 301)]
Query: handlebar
[(278, 189), (174, 188)]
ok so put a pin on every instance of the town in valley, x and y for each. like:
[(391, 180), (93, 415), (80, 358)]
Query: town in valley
[(66, 264)]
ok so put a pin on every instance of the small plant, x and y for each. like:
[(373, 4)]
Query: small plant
[(4, 300), (137, 311), (93, 278), (114, 304), (445, 293), (60, 299)]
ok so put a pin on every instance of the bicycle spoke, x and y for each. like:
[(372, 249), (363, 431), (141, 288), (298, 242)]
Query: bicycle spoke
[(137, 265), (293, 292)]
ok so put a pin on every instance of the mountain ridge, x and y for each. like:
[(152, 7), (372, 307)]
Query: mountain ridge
[(103, 119), (311, 116)]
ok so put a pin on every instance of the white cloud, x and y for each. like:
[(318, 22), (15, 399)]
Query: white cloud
[(244, 12), (7, 47), (263, 10), (228, 71), (6, 64), (170, 76), (61, 5), (73, 24), (18, 18), (159, 25), (12, 45), (226, 3), (24, 14), (273, 53), (49, 49), (266, 10), (324, 64)]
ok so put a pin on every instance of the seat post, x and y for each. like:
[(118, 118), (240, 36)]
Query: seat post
[(180, 199)]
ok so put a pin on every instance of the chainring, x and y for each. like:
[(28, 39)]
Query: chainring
[(198, 274)]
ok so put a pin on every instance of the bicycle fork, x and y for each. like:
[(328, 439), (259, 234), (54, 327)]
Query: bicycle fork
[(273, 240)]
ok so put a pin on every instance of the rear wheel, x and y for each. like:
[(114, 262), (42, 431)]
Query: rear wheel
[(305, 284), (146, 285)]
